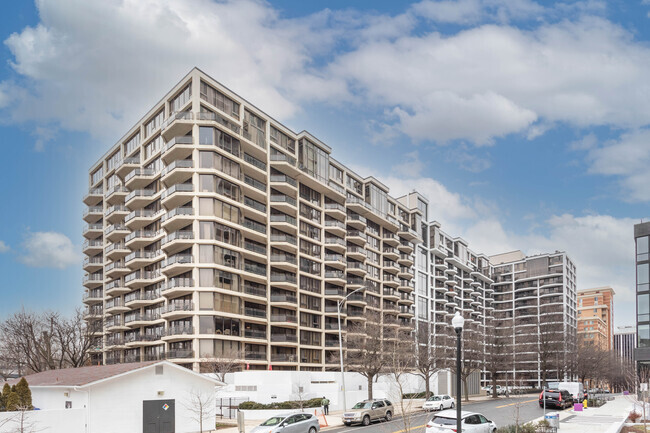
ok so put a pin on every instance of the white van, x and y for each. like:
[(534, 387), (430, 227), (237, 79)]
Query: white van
[(576, 389)]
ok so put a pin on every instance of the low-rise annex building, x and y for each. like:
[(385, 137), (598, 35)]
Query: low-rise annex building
[(152, 397)]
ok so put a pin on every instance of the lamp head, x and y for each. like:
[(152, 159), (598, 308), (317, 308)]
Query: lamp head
[(457, 322)]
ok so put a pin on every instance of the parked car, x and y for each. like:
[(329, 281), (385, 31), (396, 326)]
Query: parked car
[(472, 422), (439, 402), (560, 399), (369, 410), (501, 390), (289, 423)]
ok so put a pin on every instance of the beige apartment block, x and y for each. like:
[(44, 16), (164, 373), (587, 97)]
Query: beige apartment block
[(536, 297), (213, 229), (596, 317)]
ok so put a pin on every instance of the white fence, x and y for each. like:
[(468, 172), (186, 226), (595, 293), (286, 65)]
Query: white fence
[(51, 421)]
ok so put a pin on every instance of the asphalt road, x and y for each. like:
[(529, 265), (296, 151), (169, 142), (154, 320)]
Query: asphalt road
[(502, 411)]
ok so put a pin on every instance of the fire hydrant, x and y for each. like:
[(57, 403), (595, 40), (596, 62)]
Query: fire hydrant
[(584, 404)]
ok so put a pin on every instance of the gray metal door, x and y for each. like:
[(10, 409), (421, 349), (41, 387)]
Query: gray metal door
[(158, 416)]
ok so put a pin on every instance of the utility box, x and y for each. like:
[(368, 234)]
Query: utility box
[(241, 425), (553, 419)]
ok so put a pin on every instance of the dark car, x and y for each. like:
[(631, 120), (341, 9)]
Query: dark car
[(560, 399)]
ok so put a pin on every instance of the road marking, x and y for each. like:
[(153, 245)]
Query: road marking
[(517, 402), (414, 427)]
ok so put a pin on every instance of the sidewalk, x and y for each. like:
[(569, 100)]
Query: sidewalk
[(334, 419), (608, 418)]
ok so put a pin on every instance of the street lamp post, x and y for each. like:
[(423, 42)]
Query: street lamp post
[(340, 304), (457, 322)]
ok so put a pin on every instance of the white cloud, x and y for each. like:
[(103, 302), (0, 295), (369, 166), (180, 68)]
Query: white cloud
[(490, 80), (97, 66), (3, 247), (628, 159), (49, 250)]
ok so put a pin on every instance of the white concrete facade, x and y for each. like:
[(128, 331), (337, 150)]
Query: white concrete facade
[(115, 404)]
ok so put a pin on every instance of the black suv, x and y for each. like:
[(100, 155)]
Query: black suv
[(560, 399)]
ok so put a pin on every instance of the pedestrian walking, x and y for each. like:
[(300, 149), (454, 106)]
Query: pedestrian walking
[(326, 405)]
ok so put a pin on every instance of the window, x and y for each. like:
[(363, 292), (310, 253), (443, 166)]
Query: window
[(643, 335), (154, 123), (254, 127), (309, 194), (153, 147), (181, 99), (642, 248), (283, 140), (313, 160), (643, 307), (309, 213), (219, 100), (97, 175), (642, 277), (336, 174), (132, 144), (309, 230), (355, 185)]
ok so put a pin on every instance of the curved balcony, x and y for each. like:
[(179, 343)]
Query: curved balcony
[(177, 264), (138, 259), (283, 183), (116, 194), (138, 299), (177, 195), (284, 163), (335, 244), (116, 251), (178, 287), (282, 202), (335, 209), (140, 218), (390, 239), (335, 276), (336, 227), (356, 252), (407, 233), (116, 213), (287, 262), (357, 205), (358, 299), (391, 267), (115, 306), (289, 320), (405, 260), (93, 246), (356, 236), (140, 238), (335, 261), (177, 218), (94, 196), (390, 253), (93, 231), (177, 172), (356, 268), (139, 198), (178, 333), (284, 301), (142, 278), (283, 221), (116, 232), (93, 280), (405, 247), (390, 280), (177, 241), (175, 310), (405, 273), (95, 296), (116, 288), (354, 282), (356, 221), (139, 178), (116, 269), (177, 148), (127, 165), (92, 214), (115, 324), (391, 294), (92, 264)]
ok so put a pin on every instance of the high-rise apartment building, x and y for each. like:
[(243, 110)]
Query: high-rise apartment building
[(641, 240), (450, 277), (596, 317), (535, 297), (625, 342), (214, 229)]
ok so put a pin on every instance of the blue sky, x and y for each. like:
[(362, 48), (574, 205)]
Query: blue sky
[(526, 124)]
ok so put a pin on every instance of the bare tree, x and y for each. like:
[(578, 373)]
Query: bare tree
[(45, 341), (202, 407), (365, 353), (23, 422), (430, 357), (498, 350), (399, 348), (550, 342), (229, 361)]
